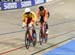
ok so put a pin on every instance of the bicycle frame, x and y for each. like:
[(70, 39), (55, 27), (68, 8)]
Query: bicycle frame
[(29, 38), (42, 34), (43, 29), (28, 31)]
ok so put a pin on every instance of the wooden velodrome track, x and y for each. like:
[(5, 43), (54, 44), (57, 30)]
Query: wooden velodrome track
[(61, 29)]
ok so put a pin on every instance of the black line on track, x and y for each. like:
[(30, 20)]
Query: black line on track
[(50, 46)]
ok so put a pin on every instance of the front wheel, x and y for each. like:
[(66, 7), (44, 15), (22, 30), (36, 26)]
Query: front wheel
[(40, 38), (27, 41)]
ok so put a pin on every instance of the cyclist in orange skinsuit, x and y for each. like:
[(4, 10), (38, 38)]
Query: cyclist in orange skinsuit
[(42, 15)]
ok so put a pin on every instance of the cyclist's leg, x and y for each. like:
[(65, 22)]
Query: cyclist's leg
[(41, 24), (46, 24), (30, 33), (41, 21), (46, 28), (33, 30)]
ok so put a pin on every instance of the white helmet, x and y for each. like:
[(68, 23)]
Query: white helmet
[(27, 10)]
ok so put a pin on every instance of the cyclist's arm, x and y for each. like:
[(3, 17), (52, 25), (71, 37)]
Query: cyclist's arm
[(46, 16), (24, 18), (38, 15), (33, 17)]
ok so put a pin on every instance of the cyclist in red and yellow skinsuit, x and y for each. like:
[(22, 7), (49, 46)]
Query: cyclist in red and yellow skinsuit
[(28, 18)]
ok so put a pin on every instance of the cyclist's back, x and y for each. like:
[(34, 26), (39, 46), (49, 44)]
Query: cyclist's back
[(27, 18), (43, 14)]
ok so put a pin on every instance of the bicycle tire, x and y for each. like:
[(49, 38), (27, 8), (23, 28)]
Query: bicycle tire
[(35, 38), (27, 41), (46, 39), (34, 42), (40, 38), (46, 35)]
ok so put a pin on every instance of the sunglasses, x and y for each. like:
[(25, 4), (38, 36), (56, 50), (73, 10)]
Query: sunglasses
[(28, 13)]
